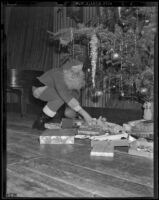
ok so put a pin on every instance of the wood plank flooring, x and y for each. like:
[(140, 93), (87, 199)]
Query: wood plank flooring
[(35, 170)]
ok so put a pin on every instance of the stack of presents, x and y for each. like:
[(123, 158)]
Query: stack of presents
[(134, 138)]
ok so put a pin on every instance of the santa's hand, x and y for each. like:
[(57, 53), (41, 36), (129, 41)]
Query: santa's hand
[(89, 120), (92, 122), (85, 115), (101, 122)]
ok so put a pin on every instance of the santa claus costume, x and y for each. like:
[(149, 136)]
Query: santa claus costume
[(59, 87)]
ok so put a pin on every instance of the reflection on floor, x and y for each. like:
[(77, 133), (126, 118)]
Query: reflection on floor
[(35, 170)]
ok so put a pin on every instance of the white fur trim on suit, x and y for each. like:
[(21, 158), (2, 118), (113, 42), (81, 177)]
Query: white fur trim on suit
[(48, 111), (77, 108), (74, 104)]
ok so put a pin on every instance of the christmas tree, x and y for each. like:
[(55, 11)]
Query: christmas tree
[(119, 49)]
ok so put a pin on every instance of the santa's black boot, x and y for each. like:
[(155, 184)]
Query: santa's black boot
[(40, 121)]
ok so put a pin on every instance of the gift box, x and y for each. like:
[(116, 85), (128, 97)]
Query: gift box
[(67, 123), (142, 128), (120, 143), (92, 131), (107, 147), (102, 148), (114, 143), (141, 147), (52, 125), (58, 136), (142, 153), (77, 123)]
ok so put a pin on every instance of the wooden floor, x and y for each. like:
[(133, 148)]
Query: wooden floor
[(35, 170)]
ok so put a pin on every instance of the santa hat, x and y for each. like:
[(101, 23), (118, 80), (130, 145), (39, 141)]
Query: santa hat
[(71, 63)]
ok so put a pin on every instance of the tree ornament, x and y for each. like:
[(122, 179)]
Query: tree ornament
[(147, 22), (113, 88), (98, 93), (142, 32), (115, 56), (143, 90), (130, 30), (122, 94), (154, 30)]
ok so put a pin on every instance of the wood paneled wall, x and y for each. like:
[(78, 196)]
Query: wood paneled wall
[(28, 45), (29, 48)]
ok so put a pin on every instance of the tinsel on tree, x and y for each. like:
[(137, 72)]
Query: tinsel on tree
[(120, 46)]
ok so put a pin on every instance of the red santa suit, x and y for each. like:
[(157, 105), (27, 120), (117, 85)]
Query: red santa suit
[(56, 91)]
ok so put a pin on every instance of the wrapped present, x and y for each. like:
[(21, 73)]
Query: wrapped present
[(84, 131), (52, 125), (144, 129), (67, 123), (135, 122), (85, 142), (142, 143), (142, 153), (112, 128), (143, 134), (120, 143), (58, 136), (90, 130), (141, 147), (56, 140), (77, 122), (106, 148), (145, 126), (127, 128), (123, 142), (82, 136), (102, 148)]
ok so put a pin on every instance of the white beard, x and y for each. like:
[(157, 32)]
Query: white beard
[(74, 80)]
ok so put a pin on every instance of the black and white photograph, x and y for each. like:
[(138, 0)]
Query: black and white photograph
[(79, 99)]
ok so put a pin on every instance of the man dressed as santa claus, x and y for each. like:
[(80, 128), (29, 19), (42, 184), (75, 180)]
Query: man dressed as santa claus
[(58, 87)]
